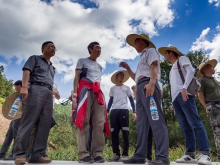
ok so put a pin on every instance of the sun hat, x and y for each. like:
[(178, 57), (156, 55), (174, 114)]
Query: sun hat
[(126, 76), (162, 50), (7, 106), (213, 63), (132, 37)]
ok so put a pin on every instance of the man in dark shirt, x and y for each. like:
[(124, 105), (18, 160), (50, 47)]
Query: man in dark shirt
[(12, 130), (209, 96), (37, 99)]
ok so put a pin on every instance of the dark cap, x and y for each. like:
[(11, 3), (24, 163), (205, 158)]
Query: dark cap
[(19, 82)]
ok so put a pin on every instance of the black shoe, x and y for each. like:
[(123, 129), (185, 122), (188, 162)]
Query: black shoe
[(2, 156), (133, 160), (158, 162), (86, 159), (99, 159), (8, 158)]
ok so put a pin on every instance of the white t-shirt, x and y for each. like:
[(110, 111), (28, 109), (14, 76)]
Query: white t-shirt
[(175, 79), (148, 56), (94, 69), (120, 95)]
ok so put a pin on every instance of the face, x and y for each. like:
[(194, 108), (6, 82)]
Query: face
[(167, 56), (17, 88), (120, 76), (49, 49), (137, 45), (209, 69), (96, 51)]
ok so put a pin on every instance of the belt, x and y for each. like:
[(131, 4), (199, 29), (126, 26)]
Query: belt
[(42, 84), (143, 79)]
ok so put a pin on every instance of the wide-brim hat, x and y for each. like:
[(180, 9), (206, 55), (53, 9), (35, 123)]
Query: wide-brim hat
[(213, 63), (132, 37), (162, 50), (126, 76), (7, 106)]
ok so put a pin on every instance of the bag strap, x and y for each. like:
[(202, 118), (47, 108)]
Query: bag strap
[(180, 71)]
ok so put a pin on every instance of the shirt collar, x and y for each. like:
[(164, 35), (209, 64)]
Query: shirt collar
[(41, 56)]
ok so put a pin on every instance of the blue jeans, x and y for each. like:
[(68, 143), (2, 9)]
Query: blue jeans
[(191, 125)]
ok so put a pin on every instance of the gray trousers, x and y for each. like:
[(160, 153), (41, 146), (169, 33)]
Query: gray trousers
[(10, 136), (37, 111), (144, 122)]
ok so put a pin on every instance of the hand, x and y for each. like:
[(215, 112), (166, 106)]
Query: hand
[(149, 89), (24, 93), (74, 96), (184, 94), (124, 65), (133, 88), (171, 107), (134, 116)]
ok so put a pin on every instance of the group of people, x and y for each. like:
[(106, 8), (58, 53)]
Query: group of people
[(90, 111)]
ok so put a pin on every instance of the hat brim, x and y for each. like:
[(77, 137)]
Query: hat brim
[(7, 106), (213, 63), (132, 37), (162, 51), (126, 76)]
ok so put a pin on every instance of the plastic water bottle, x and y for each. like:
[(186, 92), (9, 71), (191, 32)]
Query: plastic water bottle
[(15, 107), (153, 109)]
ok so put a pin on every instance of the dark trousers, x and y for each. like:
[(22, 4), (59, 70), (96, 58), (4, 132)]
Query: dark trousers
[(10, 136), (145, 123), (37, 111), (119, 119)]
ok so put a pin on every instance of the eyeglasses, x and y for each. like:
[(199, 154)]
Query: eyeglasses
[(65, 102), (51, 47)]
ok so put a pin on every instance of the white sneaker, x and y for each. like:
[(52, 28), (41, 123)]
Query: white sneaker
[(204, 159), (186, 159), (124, 158)]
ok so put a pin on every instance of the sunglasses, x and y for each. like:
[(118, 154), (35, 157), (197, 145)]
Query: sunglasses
[(65, 102)]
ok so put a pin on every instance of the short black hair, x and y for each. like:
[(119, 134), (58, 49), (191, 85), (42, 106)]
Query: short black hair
[(175, 54), (91, 45), (18, 82), (44, 44)]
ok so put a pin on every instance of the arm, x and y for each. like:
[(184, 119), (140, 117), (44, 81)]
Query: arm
[(110, 103), (76, 83), (132, 103), (133, 88), (188, 79), (153, 77), (127, 67), (133, 107), (56, 94), (25, 80), (202, 98)]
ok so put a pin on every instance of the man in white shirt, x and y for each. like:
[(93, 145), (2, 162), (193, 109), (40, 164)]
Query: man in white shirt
[(185, 107), (146, 77), (119, 116)]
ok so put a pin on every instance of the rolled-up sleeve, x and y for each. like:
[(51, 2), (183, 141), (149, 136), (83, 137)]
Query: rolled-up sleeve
[(30, 64)]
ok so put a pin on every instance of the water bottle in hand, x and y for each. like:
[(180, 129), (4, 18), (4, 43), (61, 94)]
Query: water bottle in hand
[(153, 109), (15, 107)]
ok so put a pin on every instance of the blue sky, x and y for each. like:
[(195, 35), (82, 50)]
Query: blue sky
[(72, 25)]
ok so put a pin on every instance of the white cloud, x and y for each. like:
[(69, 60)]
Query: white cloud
[(209, 46), (26, 24), (217, 2)]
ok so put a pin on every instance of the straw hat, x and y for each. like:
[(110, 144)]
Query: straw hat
[(7, 106), (126, 76), (213, 63), (162, 50), (132, 37)]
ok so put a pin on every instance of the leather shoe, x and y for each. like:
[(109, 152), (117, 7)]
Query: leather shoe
[(133, 160), (20, 160), (41, 160)]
